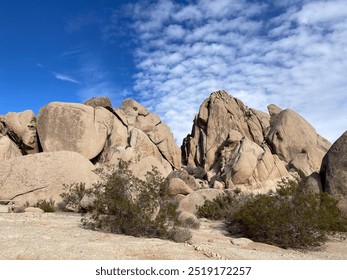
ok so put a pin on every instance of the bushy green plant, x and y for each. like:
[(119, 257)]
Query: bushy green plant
[(73, 194), (126, 205), (46, 206), (218, 208), (290, 217)]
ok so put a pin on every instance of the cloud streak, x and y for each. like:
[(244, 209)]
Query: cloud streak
[(290, 53), (65, 78)]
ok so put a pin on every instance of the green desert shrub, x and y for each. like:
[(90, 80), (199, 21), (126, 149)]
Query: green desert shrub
[(127, 205), (289, 217), (218, 208), (46, 206), (73, 194)]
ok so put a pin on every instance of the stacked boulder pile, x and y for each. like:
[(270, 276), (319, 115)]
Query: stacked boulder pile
[(231, 148), (67, 141)]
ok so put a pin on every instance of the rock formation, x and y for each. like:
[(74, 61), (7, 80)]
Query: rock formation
[(21, 128), (94, 133), (231, 146), (296, 142), (74, 127), (247, 149), (228, 142), (141, 140), (8, 149), (42, 176), (333, 171)]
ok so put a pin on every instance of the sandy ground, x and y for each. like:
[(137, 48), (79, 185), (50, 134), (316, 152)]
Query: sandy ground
[(59, 236)]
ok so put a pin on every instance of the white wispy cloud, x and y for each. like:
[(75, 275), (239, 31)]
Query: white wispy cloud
[(97, 81), (65, 78), (294, 58)]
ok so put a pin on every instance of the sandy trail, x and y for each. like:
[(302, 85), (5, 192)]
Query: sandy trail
[(59, 236)]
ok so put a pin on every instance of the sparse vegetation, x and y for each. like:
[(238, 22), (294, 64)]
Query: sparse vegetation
[(218, 209), (46, 206), (290, 217), (126, 205), (73, 194)]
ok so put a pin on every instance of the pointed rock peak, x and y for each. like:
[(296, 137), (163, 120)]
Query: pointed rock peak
[(273, 110)]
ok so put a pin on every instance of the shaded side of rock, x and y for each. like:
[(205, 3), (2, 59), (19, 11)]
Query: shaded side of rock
[(333, 171)]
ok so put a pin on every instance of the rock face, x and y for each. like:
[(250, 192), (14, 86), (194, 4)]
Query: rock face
[(8, 149), (42, 175), (231, 146), (333, 171), (140, 139), (102, 101), (228, 142), (74, 127), (21, 127), (295, 141), (248, 149), (218, 115)]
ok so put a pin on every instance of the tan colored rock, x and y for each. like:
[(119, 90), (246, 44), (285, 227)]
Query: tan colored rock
[(101, 101), (134, 115), (144, 147), (273, 110), (145, 165), (23, 125), (240, 169), (42, 175), (178, 186), (189, 180), (218, 185), (87, 202), (246, 164), (218, 116), (203, 184), (162, 136), (8, 149), (228, 141), (74, 127), (115, 143), (295, 141), (196, 199)]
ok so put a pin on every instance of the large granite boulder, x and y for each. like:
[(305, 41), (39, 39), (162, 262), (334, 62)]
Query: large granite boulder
[(42, 176), (244, 163), (8, 149), (101, 101), (192, 201), (74, 127), (21, 127), (296, 142), (333, 171)]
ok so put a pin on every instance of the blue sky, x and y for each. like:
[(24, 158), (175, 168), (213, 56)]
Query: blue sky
[(170, 55)]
